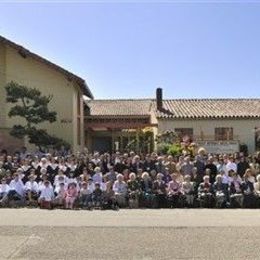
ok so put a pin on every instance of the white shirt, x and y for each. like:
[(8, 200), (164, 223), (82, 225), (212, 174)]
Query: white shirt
[(41, 186), (231, 166), (4, 188), (31, 186), (47, 193), (17, 186)]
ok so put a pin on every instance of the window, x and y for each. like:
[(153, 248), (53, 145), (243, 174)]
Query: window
[(184, 132), (223, 133)]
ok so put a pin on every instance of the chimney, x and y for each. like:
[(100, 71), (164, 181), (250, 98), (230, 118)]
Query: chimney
[(159, 98)]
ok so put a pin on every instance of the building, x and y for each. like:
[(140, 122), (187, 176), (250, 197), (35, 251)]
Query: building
[(24, 67), (219, 125)]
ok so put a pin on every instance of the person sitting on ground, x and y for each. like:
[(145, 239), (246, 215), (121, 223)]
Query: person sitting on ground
[(4, 189), (248, 189), (257, 190), (60, 192), (97, 196), (86, 193), (71, 195), (147, 198), (31, 189), (47, 195)]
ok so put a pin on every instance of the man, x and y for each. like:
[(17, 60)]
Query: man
[(242, 166), (213, 169), (186, 168)]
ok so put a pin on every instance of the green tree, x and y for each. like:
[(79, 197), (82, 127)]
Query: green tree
[(33, 107)]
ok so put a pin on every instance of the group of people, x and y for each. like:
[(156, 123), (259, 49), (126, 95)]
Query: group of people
[(112, 181)]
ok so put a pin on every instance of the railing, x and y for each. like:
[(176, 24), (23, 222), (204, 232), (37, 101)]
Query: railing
[(212, 138)]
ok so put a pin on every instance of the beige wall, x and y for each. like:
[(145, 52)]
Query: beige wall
[(244, 129), (49, 81)]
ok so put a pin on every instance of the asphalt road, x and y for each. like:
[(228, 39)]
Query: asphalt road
[(130, 234)]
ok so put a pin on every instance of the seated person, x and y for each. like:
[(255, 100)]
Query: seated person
[(4, 189), (109, 200), (235, 191), (97, 196), (71, 195), (174, 191), (133, 188), (147, 197), (159, 189), (219, 190), (47, 195), (60, 192), (86, 191), (31, 189), (205, 194), (188, 190), (16, 192), (120, 189), (248, 190)]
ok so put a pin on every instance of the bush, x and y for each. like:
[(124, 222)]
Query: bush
[(175, 150)]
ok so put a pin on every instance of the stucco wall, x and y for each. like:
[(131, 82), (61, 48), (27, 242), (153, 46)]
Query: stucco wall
[(2, 83), (49, 81), (243, 129)]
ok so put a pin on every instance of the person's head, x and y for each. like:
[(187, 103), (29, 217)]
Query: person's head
[(132, 176), (62, 185), (97, 170), (187, 178), (218, 178), (120, 177), (194, 170), (207, 171), (3, 181), (46, 183), (211, 159), (248, 173), (159, 176), (145, 176), (206, 179), (16, 176), (174, 176), (31, 177), (97, 185)]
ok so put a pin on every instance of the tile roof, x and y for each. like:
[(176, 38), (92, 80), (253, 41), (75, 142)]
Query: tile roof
[(23, 51), (177, 108), (209, 108), (119, 107)]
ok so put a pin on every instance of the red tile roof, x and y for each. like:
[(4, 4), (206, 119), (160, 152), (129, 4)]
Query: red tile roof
[(209, 108), (120, 107), (177, 108)]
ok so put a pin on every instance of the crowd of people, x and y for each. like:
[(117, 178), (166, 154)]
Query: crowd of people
[(129, 180)]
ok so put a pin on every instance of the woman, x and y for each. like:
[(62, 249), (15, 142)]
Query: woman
[(248, 189), (219, 190), (159, 189), (175, 192), (235, 191), (71, 195), (257, 190), (120, 189), (205, 195), (188, 190), (133, 187), (147, 196)]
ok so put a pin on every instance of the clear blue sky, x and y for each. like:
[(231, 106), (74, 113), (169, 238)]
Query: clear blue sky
[(126, 50)]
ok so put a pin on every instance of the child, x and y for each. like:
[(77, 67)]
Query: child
[(61, 194), (71, 195), (31, 189), (47, 196), (97, 196)]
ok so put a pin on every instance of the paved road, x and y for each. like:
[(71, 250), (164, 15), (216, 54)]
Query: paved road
[(130, 234)]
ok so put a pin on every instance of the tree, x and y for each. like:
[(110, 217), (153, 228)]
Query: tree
[(33, 107)]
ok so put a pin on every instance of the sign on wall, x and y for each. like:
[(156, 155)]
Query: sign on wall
[(220, 147)]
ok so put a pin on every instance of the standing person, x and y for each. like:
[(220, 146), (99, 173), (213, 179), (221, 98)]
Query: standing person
[(242, 166), (187, 166), (213, 169)]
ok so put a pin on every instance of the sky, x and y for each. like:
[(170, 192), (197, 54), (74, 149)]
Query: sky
[(204, 49)]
